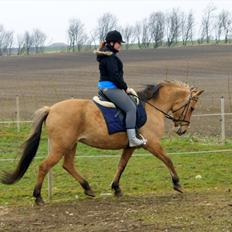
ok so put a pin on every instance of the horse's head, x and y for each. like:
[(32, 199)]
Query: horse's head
[(183, 107), (175, 97)]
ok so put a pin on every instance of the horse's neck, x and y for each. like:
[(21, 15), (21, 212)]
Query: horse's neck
[(162, 104), (168, 97)]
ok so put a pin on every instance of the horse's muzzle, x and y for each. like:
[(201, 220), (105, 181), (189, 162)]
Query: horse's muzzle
[(180, 131)]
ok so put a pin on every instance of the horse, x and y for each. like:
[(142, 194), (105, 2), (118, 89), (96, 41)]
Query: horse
[(80, 121)]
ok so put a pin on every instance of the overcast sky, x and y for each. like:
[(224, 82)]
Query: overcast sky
[(52, 16)]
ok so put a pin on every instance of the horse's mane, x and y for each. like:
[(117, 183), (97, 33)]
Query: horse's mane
[(152, 91)]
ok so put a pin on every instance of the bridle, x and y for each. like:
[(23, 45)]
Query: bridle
[(185, 107), (182, 118)]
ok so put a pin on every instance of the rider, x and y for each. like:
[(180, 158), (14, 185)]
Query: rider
[(113, 85)]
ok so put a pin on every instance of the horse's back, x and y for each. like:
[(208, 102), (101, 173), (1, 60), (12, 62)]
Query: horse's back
[(81, 120)]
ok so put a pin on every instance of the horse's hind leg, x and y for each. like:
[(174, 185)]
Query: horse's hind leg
[(53, 158), (70, 168), (127, 153)]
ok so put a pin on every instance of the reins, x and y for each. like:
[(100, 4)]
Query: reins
[(168, 116)]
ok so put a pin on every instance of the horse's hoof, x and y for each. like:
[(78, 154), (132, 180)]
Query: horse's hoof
[(90, 193), (39, 201), (118, 193), (178, 188)]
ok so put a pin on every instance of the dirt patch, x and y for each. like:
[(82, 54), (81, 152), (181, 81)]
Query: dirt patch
[(208, 211)]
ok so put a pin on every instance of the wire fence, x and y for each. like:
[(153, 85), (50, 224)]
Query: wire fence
[(223, 128), (8, 147)]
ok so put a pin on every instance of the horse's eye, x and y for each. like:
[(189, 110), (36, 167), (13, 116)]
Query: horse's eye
[(192, 109)]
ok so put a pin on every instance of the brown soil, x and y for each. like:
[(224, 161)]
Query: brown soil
[(46, 79), (204, 211)]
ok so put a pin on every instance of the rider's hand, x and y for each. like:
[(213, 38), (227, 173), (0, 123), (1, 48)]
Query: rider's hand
[(128, 90)]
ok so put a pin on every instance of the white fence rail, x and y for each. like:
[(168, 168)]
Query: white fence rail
[(222, 115)]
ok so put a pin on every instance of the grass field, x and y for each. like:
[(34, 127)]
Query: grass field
[(149, 202), (144, 174)]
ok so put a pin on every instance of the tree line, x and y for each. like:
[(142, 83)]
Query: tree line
[(158, 29)]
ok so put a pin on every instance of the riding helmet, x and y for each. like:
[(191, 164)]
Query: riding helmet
[(114, 36)]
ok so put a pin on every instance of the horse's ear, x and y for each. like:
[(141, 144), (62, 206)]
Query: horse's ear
[(199, 92)]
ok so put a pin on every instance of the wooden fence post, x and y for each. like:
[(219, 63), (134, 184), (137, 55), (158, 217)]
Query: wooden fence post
[(223, 120), (17, 114), (49, 178)]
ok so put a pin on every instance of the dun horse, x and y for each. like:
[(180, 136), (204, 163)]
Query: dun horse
[(80, 121)]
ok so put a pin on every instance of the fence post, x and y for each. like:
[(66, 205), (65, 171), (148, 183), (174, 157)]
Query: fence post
[(17, 114), (49, 178), (223, 120)]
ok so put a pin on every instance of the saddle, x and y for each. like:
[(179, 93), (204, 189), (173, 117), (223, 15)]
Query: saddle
[(115, 117), (101, 99)]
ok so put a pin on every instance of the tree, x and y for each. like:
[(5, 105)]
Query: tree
[(9, 39), (226, 20), (28, 42), (39, 39), (6, 41), (20, 43), (156, 27), (206, 23), (187, 23), (106, 23), (146, 38), (2, 38), (173, 26), (128, 34), (137, 33), (76, 34)]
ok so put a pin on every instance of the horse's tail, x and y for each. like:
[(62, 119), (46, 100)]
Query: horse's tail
[(29, 148)]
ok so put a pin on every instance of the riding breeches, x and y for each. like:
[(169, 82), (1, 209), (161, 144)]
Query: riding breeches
[(120, 98)]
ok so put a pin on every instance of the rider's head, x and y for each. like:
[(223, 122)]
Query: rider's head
[(114, 39)]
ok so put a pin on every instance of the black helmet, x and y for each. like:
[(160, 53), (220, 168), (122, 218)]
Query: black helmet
[(114, 36)]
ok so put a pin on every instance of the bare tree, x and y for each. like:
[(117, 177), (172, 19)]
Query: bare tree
[(173, 26), (106, 23), (20, 43), (2, 39), (187, 23), (156, 26), (128, 34), (9, 39), (6, 41), (76, 34), (146, 38), (28, 42), (226, 19), (207, 23), (92, 39), (39, 39), (138, 33)]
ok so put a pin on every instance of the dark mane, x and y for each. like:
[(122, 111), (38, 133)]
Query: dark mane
[(150, 91)]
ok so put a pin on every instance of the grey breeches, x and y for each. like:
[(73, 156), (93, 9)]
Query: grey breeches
[(120, 98)]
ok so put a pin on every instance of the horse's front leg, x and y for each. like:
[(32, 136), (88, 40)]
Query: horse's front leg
[(126, 154), (157, 150)]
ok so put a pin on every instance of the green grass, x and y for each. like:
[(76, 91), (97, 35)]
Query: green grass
[(143, 175)]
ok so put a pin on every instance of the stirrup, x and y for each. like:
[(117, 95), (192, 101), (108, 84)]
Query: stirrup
[(141, 137), (140, 141)]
